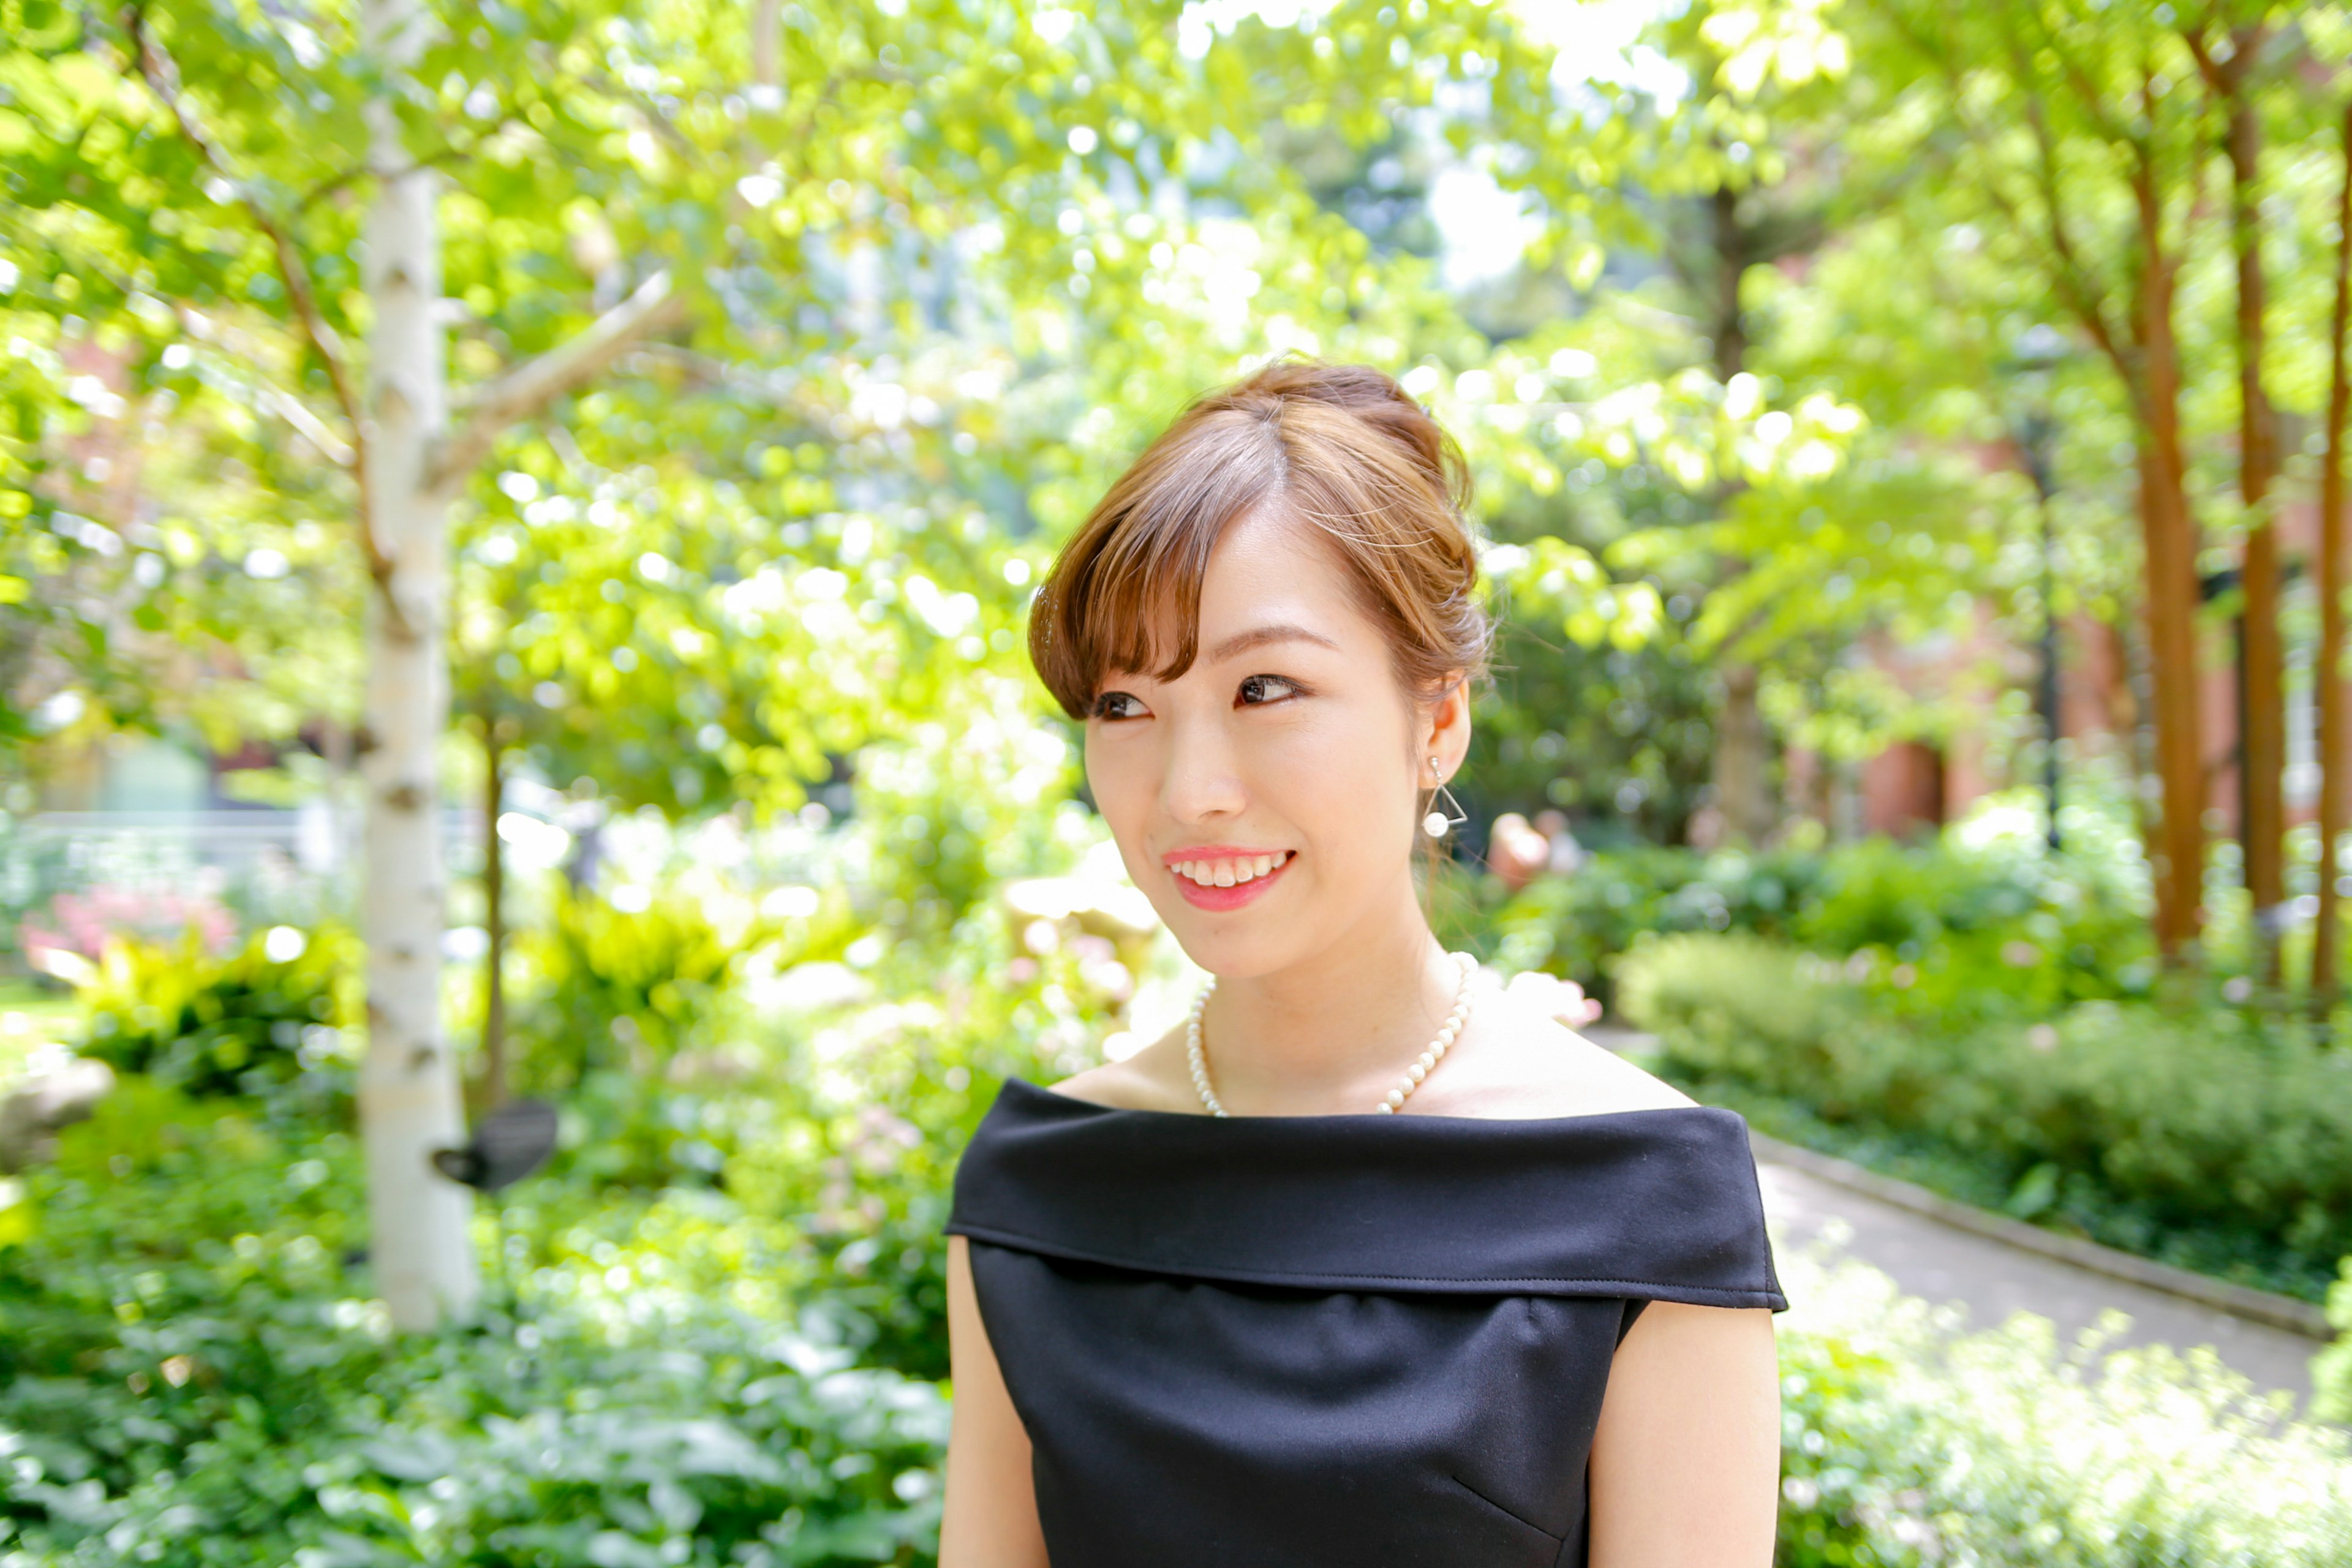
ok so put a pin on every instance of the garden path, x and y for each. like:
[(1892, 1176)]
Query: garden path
[(1993, 1280)]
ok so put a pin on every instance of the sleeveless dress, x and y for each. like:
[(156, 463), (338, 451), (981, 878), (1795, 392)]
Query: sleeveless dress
[(1377, 1342)]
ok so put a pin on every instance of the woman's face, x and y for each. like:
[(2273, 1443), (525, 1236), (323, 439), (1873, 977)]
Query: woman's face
[(1265, 800)]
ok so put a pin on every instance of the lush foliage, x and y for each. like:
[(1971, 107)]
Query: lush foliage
[(1950, 929), (284, 1007), (2200, 1136), (1901, 1447), (1739, 402), (194, 1374), (715, 1323)]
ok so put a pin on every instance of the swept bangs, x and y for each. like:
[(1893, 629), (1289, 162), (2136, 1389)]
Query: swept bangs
[(1341, 448)]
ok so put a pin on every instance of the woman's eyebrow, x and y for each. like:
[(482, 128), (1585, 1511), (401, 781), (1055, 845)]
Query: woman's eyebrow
[(1258, 636)]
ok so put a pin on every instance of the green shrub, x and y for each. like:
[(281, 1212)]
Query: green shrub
[(637, 1023), (626, 989), (2126, 1120), (875, 1102), (1903, 1446), (249, 1023), (193, 1375), (1575, 925), (1980, 930), (2331, 1371)]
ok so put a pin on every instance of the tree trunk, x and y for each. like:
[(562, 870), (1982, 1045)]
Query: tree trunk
[(409, 1103), (2334, 702), (494, 915), (1742, 796), (2262, 760), (2168, 536), (1743, 799), (767, 43)]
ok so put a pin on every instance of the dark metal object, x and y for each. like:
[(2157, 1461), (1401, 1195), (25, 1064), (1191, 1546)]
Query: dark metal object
[(2039, 352), (2038, 433), (507, 1144)]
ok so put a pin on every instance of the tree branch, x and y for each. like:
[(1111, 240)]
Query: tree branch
[(530, 386), (2073, 279), (2089, 96), (246, 356), (162, 77), (358, 172), (2221, 76)]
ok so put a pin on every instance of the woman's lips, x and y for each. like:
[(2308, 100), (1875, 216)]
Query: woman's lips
[(1234, 897)]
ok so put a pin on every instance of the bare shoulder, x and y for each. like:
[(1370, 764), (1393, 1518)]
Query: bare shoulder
[(1153, 1079), (1522, 1063)]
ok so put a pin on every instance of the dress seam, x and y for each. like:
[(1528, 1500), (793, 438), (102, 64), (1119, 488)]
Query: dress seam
[(1514, 1515)]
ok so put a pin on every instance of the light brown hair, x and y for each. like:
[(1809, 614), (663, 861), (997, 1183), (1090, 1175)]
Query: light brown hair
[(1341, 447)]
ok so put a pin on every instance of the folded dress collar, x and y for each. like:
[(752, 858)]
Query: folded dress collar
[(1659, 1205)]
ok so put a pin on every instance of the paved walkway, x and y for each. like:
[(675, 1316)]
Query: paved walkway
[(1992, 1281)]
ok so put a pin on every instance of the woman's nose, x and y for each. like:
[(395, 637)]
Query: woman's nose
[(1199, 777)]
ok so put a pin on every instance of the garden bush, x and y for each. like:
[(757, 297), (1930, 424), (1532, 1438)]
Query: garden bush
[(1905, 1444), (2161, 1130), (1982, 928), (1574, 925), (602, 988), (282, 1009), (194, 1374)]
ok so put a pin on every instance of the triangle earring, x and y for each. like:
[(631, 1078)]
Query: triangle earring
[(1437, 823)]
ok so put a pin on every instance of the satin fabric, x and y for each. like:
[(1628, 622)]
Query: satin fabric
[(1373, 1341)]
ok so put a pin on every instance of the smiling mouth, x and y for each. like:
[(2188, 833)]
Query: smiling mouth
[(1230, 871), (1229, 882)]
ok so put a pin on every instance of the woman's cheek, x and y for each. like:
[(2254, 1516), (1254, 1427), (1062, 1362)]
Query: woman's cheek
[(1339, 811), (1114, 789)]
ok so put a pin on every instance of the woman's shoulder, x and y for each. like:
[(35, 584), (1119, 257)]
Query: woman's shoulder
[(1153, 1079), (1522, 1063)]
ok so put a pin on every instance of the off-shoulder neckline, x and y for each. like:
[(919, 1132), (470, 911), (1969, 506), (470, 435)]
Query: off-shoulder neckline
[(1046, 1096), (1660, 1202)]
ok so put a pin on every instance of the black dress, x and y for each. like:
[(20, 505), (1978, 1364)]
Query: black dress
[(1287, 1342)]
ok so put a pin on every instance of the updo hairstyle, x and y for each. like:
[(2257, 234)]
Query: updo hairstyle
[(1341, 447)]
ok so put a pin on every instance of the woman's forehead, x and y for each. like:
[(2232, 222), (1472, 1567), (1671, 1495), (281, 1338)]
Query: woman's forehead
[(1271, 564)]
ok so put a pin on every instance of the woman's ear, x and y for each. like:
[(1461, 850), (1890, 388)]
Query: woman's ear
[(1445, 725)]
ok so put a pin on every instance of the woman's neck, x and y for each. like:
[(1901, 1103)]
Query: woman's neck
[(1332, 1031)]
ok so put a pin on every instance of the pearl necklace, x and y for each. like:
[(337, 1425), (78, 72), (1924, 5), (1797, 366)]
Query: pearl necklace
[(1424, 1065)]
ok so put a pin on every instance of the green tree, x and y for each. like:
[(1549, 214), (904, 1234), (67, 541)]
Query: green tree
[(717, 217), (2083, 139)]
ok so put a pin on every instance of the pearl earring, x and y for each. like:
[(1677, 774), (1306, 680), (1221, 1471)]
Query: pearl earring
[(1437, 822)]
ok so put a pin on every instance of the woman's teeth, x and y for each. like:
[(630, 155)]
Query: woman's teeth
[(1225, 873)]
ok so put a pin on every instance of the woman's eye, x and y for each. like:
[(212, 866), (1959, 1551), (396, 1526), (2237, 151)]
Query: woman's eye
[(1259, 691), (1116, 705)]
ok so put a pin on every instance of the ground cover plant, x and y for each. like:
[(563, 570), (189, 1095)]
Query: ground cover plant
[(2205, 1137), (1903, 1444), (195, 1374)]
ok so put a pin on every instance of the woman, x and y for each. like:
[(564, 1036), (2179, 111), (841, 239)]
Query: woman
[(1366, 1264)]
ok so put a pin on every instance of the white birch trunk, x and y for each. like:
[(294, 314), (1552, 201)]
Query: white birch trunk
[(409, 1103)]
